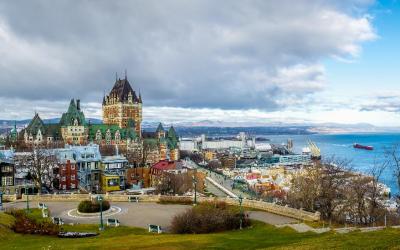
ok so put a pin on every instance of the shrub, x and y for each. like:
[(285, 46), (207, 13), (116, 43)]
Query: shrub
[(88, 206), (27, 224), (175, 200), (209, 217)]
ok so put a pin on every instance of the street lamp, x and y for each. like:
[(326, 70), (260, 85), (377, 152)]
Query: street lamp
[(241, 211), (195, 189), (100, 200), (27, 198), (1, 200)]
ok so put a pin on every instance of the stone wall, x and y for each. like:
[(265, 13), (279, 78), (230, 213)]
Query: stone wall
[(10, 197)]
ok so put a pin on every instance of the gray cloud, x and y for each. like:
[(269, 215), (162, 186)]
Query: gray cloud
[(383, 102), (195, 54)]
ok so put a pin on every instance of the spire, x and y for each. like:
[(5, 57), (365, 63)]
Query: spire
[(160, 128), (126, 75), (140, 97), (116, 76)]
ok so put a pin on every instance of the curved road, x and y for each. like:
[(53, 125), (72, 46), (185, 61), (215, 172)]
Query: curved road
[(140, 214)]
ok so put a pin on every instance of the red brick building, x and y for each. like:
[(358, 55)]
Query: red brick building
[(68, 175)]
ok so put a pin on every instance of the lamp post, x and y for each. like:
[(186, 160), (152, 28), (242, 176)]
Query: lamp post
[(195, 189), (27, 198), (241, 211), (1, 200), (100, 200)]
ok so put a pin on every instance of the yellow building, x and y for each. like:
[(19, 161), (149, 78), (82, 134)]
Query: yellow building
[(209, 155), (110, 183)]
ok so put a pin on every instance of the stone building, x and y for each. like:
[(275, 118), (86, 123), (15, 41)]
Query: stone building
[(73, 126), (39, 133), (161, 145), (122, 105), (122, 126), (7, 171)]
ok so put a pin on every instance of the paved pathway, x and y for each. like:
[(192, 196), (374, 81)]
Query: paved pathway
[(223, 181), (214, 190)]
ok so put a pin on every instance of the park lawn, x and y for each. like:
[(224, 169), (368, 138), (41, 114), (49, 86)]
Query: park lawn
[(260, 236)]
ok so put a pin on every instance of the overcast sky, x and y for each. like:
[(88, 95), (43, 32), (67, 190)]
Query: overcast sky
[(253, 61)]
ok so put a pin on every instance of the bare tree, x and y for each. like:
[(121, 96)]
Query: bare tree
[(179, 183), (39, 164), (393, 156)]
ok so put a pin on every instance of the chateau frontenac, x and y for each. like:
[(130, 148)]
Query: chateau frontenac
[(121, 126)]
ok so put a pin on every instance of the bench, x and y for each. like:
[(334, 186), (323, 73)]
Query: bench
[(112, 222), (155, 229), (133, 199), (42, 206), (57, 221)]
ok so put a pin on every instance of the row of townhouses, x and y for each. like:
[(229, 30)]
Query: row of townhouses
[(76, 168)]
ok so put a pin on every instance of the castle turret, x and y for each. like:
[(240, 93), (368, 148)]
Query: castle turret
[(125, 105)]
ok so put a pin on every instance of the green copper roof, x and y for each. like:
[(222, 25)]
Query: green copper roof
[(151, 143), (35, 125), (160, 128), (103, 128), (73, 114)]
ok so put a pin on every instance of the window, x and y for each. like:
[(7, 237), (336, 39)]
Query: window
[(63, 167), (72, 177), (73, 186), (7, 181), (63, 178), (6, 169), (72, 167), (64, 187)]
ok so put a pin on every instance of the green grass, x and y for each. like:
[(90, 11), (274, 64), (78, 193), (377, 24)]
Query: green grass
[(260, 236)]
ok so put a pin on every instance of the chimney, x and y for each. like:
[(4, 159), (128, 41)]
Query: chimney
[(78, 104)]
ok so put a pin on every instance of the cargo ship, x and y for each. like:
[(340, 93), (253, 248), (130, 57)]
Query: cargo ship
[(359, 146)]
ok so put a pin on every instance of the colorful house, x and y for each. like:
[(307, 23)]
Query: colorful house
[(110, 182)]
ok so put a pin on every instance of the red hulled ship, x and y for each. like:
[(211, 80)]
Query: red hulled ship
[(359, 146)]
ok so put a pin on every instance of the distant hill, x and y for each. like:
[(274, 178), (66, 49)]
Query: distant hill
[(216, 128)]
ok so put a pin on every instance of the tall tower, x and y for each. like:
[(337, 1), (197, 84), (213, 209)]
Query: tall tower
[(122, 106)]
